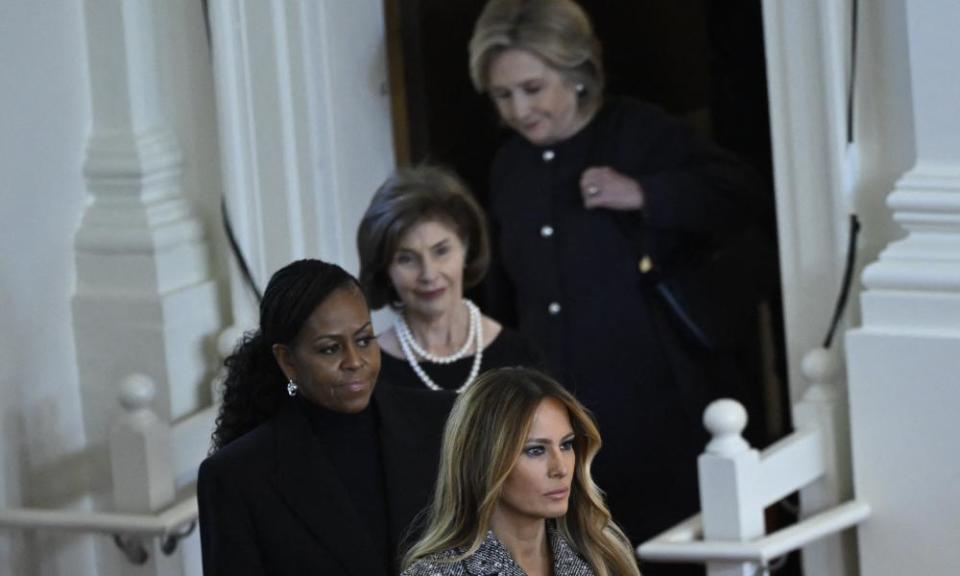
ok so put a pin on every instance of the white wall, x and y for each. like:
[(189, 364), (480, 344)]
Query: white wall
[(44, 119)]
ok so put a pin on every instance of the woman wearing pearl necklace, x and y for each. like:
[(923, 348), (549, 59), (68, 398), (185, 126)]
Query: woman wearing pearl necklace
[(422, 241)]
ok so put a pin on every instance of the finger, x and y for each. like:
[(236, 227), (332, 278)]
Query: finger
[(591, 174)]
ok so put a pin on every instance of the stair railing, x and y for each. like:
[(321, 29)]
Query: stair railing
[(737, 483)]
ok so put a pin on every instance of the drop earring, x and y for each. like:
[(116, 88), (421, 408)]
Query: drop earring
[(291, 387)]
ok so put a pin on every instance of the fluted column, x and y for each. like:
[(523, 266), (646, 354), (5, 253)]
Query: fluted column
[(903, 361)]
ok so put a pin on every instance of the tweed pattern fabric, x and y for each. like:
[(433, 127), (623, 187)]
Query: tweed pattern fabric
[(493, 559)]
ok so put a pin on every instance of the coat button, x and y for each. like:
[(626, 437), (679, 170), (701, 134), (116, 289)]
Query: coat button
[(645, 265), (546, 231), (554, 308), (548, 155)]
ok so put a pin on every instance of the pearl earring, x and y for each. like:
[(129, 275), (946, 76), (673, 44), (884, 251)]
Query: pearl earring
[(580, 88)]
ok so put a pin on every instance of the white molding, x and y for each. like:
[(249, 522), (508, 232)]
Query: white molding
[(816, 178), (812, 165), (305, 131)]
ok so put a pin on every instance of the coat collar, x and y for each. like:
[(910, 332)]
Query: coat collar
[(306, 481), (305, 478), (492, 558)]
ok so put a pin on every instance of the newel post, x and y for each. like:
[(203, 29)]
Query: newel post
[(141, 467), (823, 408), (729, 473)]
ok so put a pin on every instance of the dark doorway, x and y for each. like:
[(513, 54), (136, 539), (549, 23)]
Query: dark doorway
[(700, 60)]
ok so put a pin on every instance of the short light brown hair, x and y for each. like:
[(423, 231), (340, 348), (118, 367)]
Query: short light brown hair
[(557, 31), (407, 198)]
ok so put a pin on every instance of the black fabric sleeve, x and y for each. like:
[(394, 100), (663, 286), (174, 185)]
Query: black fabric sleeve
[(689, 184), (227, 536)]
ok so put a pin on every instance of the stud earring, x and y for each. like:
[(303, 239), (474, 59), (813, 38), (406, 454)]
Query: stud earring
[(291, 387), (580, 88)]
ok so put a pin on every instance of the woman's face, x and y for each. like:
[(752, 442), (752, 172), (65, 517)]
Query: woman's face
[(335, 359), (533, 98), (538, 487), (427, 268)]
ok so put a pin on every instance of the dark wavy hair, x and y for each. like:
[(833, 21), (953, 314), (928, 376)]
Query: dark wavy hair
[(407, 198), (255, 386)]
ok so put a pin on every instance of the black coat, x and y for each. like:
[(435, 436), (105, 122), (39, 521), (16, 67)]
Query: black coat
[(631, 312), (271, 504)]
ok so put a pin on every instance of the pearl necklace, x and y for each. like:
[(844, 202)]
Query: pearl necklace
[(410, 348)]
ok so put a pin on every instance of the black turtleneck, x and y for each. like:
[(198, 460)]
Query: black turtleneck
[(352, 443)]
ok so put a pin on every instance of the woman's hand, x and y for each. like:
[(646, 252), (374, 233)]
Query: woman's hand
[(604, 187)]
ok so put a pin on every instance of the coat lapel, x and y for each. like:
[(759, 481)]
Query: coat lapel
[(308, 484), (565, 560), (493, 558)]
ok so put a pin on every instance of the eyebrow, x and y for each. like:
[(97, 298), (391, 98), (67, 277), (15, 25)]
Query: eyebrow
[(402, 248), (569, 436), (336, 336)]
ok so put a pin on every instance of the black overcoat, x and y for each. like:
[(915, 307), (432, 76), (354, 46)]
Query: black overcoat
[(631, 312), (271, 504)]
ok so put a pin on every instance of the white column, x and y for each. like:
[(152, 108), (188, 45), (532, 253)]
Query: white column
[(305, 129), (903, 360), (144, 299)]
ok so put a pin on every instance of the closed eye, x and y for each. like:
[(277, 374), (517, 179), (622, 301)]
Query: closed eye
[(532, 89)]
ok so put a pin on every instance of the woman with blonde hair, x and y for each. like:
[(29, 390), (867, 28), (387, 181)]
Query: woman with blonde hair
[(514, 493), (611, 219)]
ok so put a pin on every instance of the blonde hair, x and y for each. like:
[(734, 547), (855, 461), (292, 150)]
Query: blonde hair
[(557, 31), (484, 436)]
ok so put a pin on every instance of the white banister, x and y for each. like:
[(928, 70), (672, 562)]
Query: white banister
[(140, 456), (684, 542), (154, 467), (737, 483)]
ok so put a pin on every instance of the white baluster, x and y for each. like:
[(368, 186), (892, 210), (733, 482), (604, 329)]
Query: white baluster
[(823, 409), (140, 451), (729, 475), (142, 472)]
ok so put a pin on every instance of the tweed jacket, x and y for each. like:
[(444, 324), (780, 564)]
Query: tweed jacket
[(493, 559)]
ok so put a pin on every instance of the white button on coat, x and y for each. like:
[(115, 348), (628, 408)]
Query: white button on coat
[(548, 155), (554, 308), (546, 231)]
